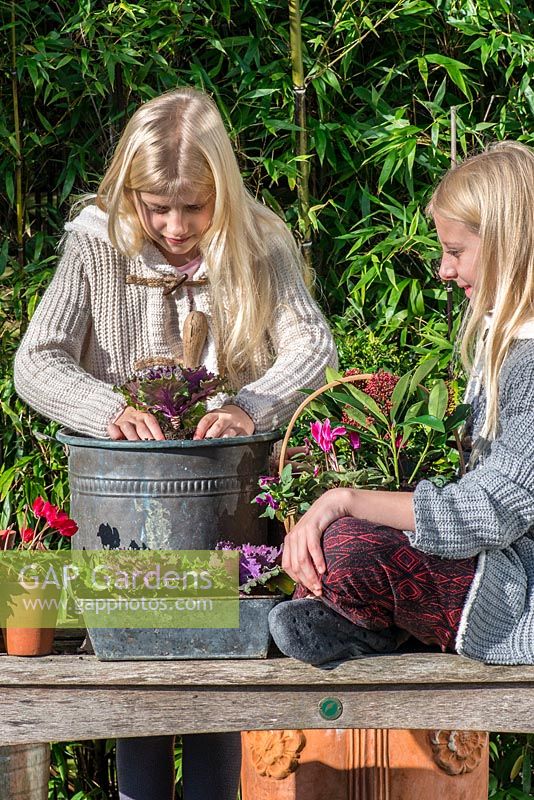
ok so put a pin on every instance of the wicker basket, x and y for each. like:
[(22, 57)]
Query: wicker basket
[(289, 522)]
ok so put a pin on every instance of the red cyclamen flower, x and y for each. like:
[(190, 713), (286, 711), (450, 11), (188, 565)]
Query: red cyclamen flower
[(38, 506), (42, 508), (27, 534), (55, 517), (64, 524)]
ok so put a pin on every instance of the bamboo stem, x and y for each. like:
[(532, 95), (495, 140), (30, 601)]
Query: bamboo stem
[(19, 205), (448, 286), (453, 136), (299, 92)]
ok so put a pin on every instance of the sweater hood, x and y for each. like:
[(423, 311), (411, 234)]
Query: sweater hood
[(92, 221), (525, 331)]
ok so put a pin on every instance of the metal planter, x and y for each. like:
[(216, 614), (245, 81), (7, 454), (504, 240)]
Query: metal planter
[(250, 640), (170, 495)]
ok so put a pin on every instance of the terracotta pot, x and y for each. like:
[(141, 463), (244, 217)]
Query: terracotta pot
[(364, 765), (29, 641), (28, 630)]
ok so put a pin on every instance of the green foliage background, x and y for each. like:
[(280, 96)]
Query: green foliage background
[(381, 78)]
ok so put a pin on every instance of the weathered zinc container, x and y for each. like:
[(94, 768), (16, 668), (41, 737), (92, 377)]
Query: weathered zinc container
[(250, 640), (170, 495)]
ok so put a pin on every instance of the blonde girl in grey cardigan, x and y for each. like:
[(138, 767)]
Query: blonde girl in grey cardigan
[(172, 230), (453, 566)]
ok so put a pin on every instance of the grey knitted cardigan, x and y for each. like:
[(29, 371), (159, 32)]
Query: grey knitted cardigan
[(91, 328), (489, 513)]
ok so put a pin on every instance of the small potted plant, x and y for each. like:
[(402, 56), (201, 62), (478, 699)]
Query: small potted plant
[(221, 623), (44, 527), (262, 584)]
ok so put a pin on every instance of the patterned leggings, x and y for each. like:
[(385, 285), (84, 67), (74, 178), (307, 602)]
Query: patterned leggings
[(377, 579)]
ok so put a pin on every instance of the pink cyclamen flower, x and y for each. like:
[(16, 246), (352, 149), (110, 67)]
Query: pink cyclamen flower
[(325, 435), (267, 500), (266, 480), (354, 440)]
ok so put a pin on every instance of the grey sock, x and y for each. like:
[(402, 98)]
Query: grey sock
[(311, 631)]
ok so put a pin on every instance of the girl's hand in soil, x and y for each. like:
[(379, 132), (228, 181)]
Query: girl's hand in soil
[(135, 425), (303, 557), (223, 423)]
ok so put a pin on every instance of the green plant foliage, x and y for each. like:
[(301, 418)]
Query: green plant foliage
[(86, 770)]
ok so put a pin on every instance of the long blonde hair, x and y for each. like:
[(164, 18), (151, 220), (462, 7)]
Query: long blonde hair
[(178, 142), (493, 195)]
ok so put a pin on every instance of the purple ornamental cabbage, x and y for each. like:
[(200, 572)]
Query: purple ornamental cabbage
[(255, 562)]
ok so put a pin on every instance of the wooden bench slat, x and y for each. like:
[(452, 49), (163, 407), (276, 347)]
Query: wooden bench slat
[(393, 669), (68, 697)]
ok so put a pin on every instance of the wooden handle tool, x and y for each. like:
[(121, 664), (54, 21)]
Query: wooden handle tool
[(194, 338)]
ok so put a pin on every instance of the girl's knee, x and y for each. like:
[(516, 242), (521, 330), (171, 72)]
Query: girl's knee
[(346, 533)]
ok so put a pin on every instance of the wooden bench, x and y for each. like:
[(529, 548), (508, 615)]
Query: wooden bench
[(76, 697)]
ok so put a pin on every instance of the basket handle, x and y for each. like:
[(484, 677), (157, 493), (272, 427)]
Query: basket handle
[(305, 402)]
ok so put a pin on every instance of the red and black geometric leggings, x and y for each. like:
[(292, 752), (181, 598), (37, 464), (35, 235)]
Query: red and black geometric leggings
[(377, 579)]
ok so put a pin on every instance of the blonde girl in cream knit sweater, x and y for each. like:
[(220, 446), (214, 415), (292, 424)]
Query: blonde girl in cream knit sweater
[(173, 203), (173, 230)]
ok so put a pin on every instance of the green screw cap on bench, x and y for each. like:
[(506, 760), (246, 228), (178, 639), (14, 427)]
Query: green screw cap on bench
[(330, 708)]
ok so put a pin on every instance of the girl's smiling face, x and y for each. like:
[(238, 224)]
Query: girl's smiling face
[(459, 262), (176, 226)]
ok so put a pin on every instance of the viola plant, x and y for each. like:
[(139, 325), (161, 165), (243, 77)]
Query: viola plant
[(50, 529), (260, 569), (176, 396), (388, 432)]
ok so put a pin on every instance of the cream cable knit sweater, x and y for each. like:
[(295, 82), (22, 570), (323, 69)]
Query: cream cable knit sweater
[(91, 327)]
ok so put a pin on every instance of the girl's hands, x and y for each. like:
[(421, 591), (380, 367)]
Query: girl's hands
[(223, 423), (135, 425), (302, 557)]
